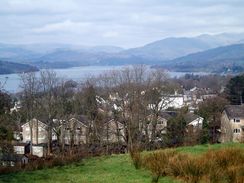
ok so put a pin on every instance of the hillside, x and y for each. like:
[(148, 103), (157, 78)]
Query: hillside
[(222, 59), (157, 52), (174, 47), (10, 67), (102, 169)]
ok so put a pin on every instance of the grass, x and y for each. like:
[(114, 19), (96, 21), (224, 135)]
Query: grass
[(115, 168), (217, 163), (199, 149)]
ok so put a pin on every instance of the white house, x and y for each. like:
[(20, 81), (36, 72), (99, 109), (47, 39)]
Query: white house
[(39, 132), (193, 120)]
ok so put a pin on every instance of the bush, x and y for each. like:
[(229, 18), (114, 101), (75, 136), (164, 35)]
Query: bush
[(36, 163), (135, 155), (215, 166), (157, 162)]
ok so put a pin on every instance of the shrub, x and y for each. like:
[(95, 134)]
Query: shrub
[(215, 166), (135, 155), (157, 162), (193, 169)]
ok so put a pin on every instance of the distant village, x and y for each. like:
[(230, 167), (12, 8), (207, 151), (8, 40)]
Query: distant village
[(122, 118)]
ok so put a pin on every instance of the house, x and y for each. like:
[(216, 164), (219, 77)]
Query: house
[(22, 148), (195, 96), (169, 101), (75, 131), (39, 132), (17, 107), (232, 124), (193, 120), (113, 131), (175, 101), (161, 124), (39, 150)]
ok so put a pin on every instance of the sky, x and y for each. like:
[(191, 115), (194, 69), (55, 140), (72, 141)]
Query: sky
[(125, 23)]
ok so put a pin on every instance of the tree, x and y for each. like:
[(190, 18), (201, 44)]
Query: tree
[(235, 90), (135, 93), (211, 110), (48, 101), (6, 124), (157, 97), (64, 109), (5, 102), (30, 85), (176, 128)]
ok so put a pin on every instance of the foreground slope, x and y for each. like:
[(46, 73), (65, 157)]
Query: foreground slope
[(115, 168)]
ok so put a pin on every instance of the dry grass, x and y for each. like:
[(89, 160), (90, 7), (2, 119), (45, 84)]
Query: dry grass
[(136, 158), (158, 162), (214, 166)]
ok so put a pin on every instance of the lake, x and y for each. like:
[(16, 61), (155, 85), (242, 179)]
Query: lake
[(12, 81)]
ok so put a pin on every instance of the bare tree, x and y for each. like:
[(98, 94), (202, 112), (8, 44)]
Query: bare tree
[(48, 101), (30, 87), (134, 93)]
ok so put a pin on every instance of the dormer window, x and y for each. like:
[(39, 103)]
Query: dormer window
[(236, 120)]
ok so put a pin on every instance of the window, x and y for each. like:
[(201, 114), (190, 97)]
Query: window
[(237, 130), (237, 120)]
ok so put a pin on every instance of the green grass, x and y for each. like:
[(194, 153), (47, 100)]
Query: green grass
[(199, 149), (115, 168), (110, 169)]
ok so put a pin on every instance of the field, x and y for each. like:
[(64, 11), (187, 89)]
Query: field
[(106, 169)]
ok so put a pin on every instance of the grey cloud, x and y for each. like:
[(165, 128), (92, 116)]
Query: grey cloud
[(125, 23)]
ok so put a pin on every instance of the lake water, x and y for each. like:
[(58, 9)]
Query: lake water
[(12, 81)]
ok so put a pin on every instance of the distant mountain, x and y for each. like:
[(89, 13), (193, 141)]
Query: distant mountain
[(105, 49), (15, 53), (171, 48), (75, 58), (222, 59), (67, 58), (10, 67), (56, 55), (158, 52)]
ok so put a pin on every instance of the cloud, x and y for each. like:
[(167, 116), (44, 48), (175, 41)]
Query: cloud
[(65, 26), (125, 23), (36, 6), (111, 34)]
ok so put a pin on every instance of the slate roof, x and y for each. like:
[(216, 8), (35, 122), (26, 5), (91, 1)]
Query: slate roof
[(166, 115), (82, 118), (235, 111), (189, 117)]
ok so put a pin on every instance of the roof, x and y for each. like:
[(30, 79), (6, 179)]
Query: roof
[(235, 111), (189, 117), (71, 122), (34, 119), (81, 119), (165, 115)]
